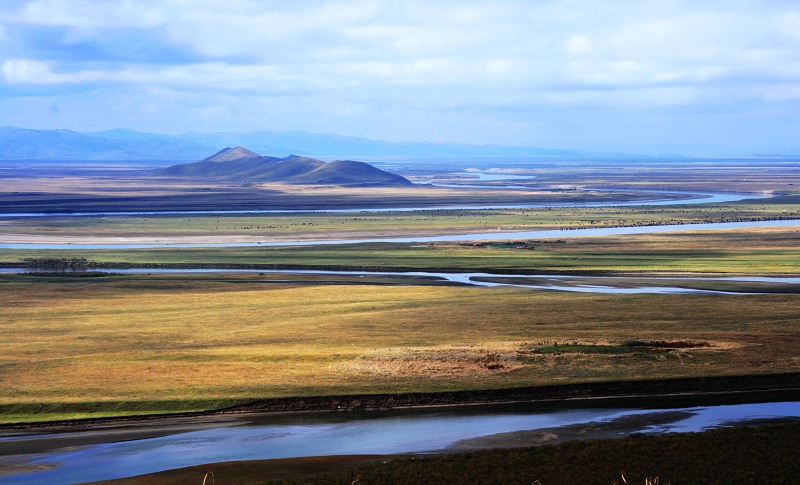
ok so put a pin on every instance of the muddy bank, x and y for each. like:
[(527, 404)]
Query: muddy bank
[(615, 428), (252, 471), (705, 389), (662, 393), (102, 266)]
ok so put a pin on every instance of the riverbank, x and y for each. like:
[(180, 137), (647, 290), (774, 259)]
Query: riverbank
[(477, 238), (62, 456), (759, 250), (662, 392), (586, 282)]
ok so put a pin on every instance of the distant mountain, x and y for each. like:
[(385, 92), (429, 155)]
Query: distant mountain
[(242, 164), (120, 144), (24, 144)]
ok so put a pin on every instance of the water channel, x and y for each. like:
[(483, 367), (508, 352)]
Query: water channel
[(658, 197), (583, 284), (481, 236), (371, 432)]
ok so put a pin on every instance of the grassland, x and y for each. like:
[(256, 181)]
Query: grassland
[(752, 251), (153, 344), (354, 225), (132, 345)]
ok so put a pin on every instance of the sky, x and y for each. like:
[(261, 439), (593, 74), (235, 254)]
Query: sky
[(650, 77)]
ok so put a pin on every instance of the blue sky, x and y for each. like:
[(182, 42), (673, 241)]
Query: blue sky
[(652, 77)]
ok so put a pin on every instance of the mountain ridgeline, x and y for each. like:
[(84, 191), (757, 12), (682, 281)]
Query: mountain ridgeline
[(121, 144), (242, 164)]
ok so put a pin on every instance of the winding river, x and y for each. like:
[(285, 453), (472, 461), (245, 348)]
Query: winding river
[(582, 284), (659, 197), (382, 432), (480, 236)]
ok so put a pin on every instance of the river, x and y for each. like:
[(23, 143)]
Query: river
[(480, 236), (371, 432), (583, 284), (659, 197)]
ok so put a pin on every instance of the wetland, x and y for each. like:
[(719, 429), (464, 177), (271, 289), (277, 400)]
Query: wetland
[(258, 297)]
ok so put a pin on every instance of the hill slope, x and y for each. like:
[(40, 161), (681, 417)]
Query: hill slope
[(348, 172), (243, 164), (230, 162)]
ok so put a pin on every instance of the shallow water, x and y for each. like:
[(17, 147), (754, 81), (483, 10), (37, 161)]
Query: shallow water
[(373, 432), (657, 199), (599, 284), (483, 236)]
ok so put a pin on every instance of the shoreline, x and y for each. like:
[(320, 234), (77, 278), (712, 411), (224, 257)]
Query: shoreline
[(593, 444), (91, 266), (362, 237), (680, 392), (16, 453)]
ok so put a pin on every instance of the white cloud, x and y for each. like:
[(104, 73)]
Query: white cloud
[(27, 71), (779, 94), (579, 44), (487, 60), (91, 14)]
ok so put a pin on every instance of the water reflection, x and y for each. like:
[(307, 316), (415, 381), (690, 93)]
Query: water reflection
[(364, 433)]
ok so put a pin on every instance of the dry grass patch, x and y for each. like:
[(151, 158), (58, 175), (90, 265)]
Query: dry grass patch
[(500, 357), (438, 361)]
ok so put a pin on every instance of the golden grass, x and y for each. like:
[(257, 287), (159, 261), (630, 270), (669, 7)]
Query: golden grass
[(133, 339)]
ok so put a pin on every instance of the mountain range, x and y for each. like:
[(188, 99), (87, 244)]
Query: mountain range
[(119, 144), (239, 163)]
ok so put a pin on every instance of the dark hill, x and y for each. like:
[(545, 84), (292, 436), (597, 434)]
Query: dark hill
[(348, 172), (289, 167), (242, 164), (230, 162), (232, 154)]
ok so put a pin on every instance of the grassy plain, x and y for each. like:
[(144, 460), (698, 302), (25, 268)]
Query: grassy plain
[(750, 251), (109, 346), (151, 344), (353, 225)]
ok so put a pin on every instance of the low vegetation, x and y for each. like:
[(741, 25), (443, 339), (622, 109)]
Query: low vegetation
[(636, 346), (159, 343), (58, 264), (753, 251), (346, 225)]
